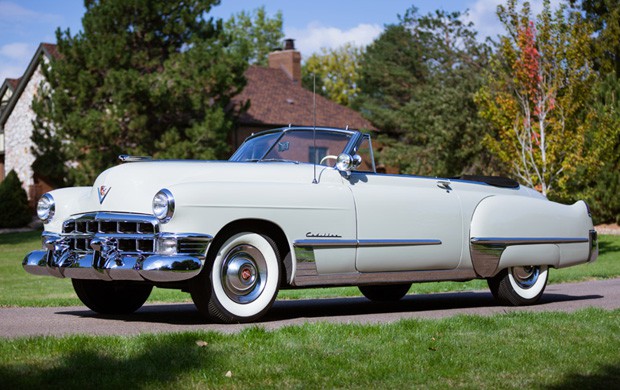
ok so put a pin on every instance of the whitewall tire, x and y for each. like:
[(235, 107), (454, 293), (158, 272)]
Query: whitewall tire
[(243, 280), (518, 286)]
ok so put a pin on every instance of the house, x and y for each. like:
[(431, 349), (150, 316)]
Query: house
[(278, 99), (275, 94), (16, 126)]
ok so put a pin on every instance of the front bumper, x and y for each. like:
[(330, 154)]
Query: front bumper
[(106, 262)]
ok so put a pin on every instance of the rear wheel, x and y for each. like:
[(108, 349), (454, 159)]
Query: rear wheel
[(519, 286), (385, 293), (111, 297), (243, 280)]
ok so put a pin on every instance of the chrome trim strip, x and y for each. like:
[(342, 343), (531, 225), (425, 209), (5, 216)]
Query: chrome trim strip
[(331, 243), (526, 240), (308, 277), (374, 243), (326, 243), (115, 217)]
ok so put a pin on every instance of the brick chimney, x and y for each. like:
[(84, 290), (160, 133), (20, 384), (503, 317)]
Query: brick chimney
[(289, 60)]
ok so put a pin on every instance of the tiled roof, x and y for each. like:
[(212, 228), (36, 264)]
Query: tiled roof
[(13, 83), (51, 49), (276, 100)]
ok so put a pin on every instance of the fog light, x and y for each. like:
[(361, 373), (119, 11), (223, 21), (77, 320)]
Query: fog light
[(167, 246)]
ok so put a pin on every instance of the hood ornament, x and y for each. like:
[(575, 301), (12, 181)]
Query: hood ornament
[(103, 192)]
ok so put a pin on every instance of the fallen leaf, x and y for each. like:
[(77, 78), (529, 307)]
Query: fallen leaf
[(201, 343)]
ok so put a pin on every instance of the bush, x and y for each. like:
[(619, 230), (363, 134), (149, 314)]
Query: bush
[(14, 210)]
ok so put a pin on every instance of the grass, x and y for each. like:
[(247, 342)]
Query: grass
[(18, 288), (517, 350)]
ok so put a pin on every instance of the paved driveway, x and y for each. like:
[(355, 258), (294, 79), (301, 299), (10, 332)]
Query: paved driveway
[(18, 322)]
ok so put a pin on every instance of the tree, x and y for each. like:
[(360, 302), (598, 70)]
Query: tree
[(537, 92), (336, 73), (417, 83), (14, 210), (254, 35), (144, 77), (599, 181), (605, 17)]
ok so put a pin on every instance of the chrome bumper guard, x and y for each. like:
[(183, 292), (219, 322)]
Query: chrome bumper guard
[(593, 250), (107, 262)]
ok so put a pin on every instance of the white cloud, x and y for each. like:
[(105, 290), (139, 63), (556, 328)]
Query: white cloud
[(315, 36), (10, 71), (15, 13), (17, 51), (483, 13)]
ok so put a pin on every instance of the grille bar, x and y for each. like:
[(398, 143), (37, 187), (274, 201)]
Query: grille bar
[(134, 234)]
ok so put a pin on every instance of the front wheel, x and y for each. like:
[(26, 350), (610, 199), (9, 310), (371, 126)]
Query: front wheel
[(243, 280), (111, 297), (519, 286)]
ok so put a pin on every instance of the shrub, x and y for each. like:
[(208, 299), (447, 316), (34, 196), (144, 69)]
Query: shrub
[(14, 210)]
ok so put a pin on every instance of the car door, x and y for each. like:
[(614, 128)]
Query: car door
[(406, 223)]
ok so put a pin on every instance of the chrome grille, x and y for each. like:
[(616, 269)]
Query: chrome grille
[(133, 233), (192, 247)]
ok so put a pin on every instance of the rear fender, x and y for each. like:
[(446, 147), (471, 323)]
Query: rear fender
[(509, 231)]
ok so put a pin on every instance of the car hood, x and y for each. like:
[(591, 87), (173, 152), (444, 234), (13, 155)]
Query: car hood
[(130, 187)]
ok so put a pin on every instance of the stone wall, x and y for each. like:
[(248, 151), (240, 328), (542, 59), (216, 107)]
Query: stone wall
[(18, 132)]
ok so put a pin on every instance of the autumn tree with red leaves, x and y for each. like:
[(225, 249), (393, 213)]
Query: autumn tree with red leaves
[(536, 93)]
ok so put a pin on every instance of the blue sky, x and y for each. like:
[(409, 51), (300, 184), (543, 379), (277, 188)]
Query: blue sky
[(313, 24)]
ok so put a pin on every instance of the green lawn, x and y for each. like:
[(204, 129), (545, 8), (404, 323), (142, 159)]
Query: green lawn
[(18, 288), (517, 350)]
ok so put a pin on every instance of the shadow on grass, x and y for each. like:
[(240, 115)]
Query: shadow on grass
[(607, 378), (19, 238), (430, 305), (156, 362), (608, 247)]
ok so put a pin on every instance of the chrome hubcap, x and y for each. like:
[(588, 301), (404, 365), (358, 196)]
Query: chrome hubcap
[(525, 277), (244, 273)]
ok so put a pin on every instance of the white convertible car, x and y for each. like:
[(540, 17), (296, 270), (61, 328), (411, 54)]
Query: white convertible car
[(295, 208)]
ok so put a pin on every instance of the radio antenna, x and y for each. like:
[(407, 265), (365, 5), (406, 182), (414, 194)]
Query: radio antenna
[(315, 154)]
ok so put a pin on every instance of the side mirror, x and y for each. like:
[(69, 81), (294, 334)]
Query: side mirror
[(345, 163)]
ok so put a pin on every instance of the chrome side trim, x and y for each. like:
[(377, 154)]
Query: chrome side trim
[(487, 251), (331, 243), (307, 276), (526, 241), (374, 243)]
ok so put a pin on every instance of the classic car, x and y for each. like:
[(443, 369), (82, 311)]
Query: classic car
[(299, 207)]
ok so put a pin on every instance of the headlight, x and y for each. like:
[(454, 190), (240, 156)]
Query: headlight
[(163, 205), (46, 208)]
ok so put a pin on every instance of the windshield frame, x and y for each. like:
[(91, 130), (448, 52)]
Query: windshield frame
[(356, 138)]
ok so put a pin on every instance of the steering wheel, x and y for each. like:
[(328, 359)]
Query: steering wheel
[(328, 157)]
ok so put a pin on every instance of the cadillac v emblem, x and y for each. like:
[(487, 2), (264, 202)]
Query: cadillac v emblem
[(103, 192)]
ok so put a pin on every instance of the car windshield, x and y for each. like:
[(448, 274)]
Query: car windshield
[(306, 146)]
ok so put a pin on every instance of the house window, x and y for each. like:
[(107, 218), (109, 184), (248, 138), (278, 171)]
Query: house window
[(316, 154)]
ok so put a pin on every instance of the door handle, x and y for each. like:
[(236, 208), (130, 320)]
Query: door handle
[(444, 185)]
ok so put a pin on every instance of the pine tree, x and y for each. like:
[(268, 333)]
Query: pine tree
[(14, 211), (144, 77)]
